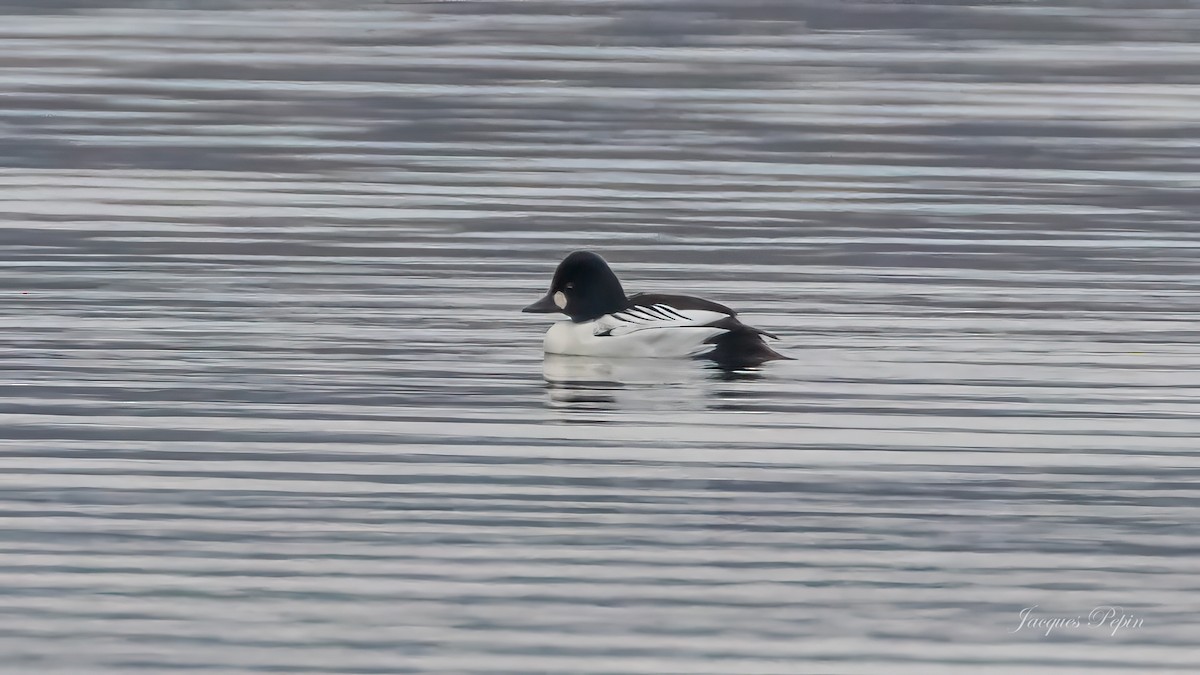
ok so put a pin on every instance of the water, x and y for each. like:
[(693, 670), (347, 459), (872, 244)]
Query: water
[(269, 404)]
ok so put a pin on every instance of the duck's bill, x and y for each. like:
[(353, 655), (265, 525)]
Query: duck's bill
[(544, 306)]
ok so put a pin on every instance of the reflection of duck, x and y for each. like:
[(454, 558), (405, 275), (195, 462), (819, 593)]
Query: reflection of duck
[(584, 372), (586, 382), (606, 323)]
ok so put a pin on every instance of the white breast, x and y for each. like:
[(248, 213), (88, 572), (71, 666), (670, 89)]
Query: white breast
[(656, 331)]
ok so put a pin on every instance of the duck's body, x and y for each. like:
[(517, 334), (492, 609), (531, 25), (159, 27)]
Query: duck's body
[(605, 323)]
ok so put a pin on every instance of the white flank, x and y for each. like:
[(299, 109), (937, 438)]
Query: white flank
[(656, 331)]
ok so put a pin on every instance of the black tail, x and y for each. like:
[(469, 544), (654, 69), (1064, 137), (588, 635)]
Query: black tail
[(742, 346)]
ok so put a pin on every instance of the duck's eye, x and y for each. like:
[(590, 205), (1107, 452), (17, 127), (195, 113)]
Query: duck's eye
[(570, 285)]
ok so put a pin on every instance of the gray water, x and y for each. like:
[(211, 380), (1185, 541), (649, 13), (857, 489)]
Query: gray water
[(269, 404)]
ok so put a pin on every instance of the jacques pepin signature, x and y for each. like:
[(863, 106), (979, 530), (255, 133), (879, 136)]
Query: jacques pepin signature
[(1103, 616)]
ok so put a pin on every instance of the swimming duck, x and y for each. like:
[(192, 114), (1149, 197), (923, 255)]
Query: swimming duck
[(604, 322)]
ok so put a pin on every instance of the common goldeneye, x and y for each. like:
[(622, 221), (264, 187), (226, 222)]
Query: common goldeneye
[(603, 322)]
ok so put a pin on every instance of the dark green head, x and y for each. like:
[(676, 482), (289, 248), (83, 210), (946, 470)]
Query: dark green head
[(583, 288)]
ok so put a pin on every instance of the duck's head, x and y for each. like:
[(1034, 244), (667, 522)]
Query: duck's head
[(583, 288)]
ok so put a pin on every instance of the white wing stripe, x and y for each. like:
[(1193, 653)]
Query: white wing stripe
[(639, 313), (671, 311), (640, 318), (657, 311)]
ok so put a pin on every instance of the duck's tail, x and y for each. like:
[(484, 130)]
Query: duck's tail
[(743, 346)]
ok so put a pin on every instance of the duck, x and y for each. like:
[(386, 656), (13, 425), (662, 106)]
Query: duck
[(603, 322)]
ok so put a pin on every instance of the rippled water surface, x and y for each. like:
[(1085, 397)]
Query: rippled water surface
[(269, 404)]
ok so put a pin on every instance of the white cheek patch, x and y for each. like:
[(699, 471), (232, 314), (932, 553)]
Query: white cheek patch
[(560, 300)]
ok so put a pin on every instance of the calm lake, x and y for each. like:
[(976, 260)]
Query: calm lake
[(268, 403)]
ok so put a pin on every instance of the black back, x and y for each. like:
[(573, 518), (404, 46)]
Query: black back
[(676, 301)]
